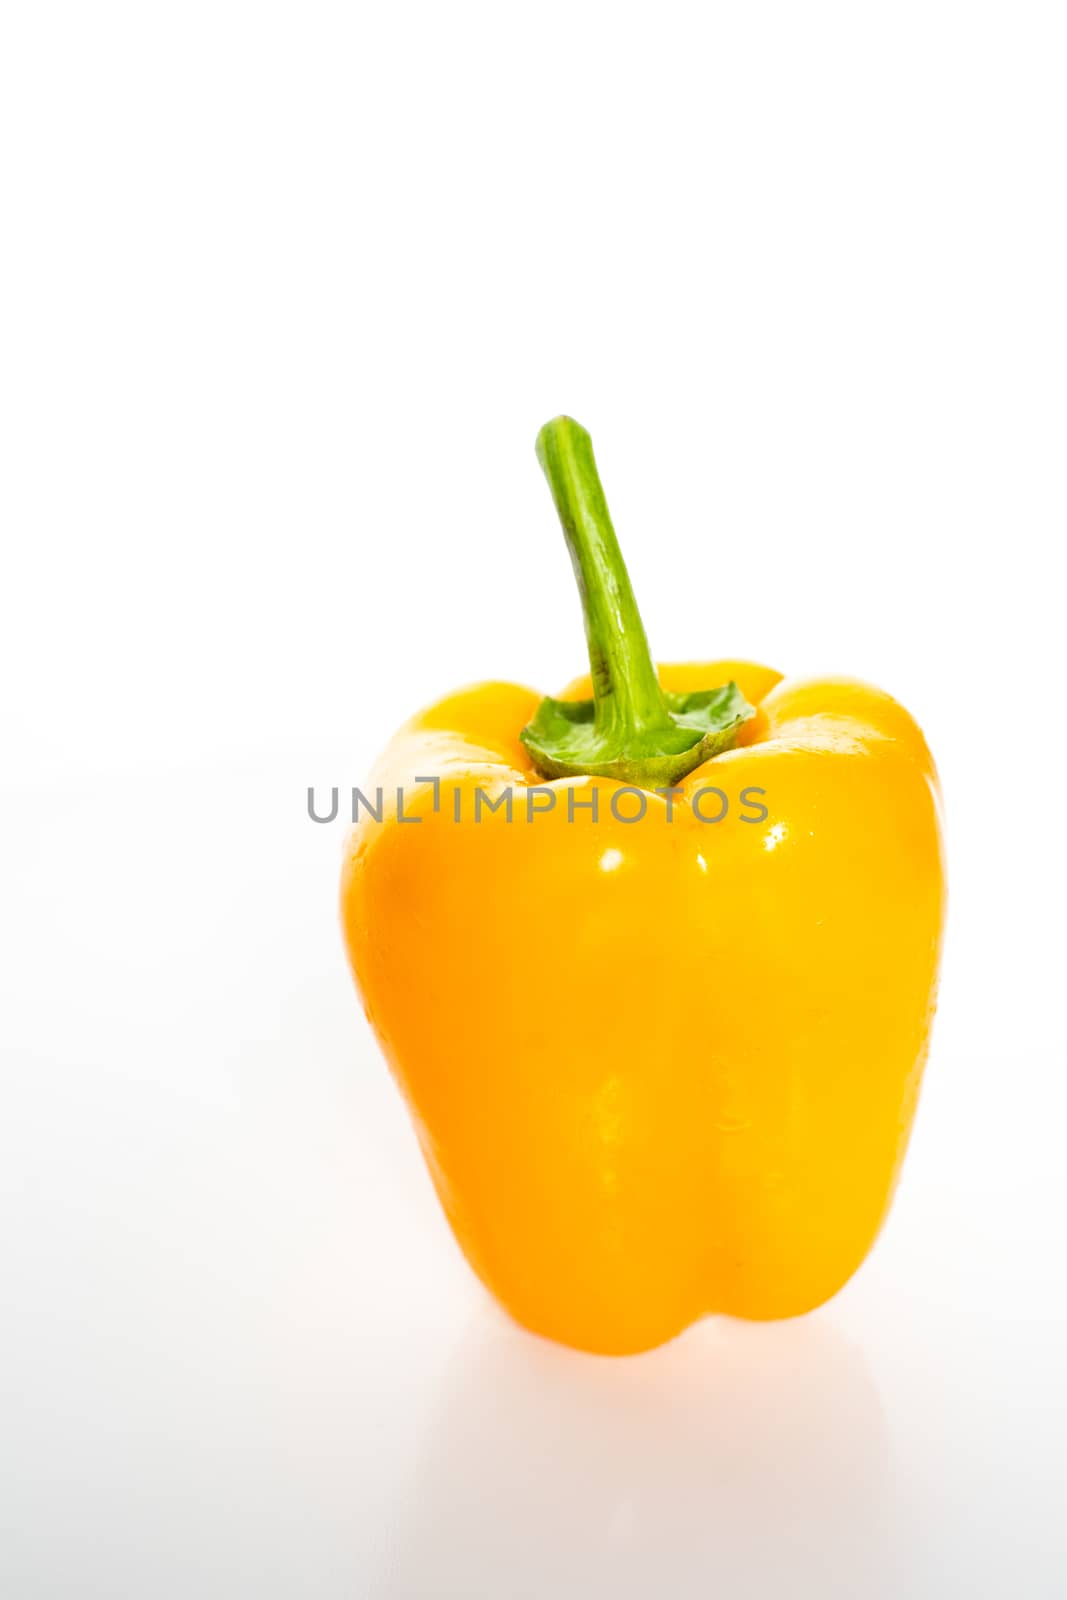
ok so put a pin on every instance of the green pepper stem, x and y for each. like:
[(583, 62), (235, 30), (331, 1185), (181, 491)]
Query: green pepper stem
[(626, 690), (631, 730)]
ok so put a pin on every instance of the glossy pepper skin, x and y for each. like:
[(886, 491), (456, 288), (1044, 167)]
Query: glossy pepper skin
[(658, 1068)]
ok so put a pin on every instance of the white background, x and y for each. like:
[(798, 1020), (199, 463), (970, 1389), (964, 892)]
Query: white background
[(286, 293)]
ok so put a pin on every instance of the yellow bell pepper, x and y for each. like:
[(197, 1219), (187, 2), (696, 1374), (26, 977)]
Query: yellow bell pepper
[(655, 966)]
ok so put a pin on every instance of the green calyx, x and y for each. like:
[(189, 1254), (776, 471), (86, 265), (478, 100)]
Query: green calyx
[(631, 730)]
